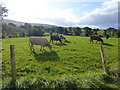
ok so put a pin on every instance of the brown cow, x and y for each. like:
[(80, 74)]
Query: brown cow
[(39, 41), (96, 37)]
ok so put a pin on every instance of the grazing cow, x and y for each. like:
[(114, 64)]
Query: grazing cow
[(39, 41), (55, 37), (96, 37), (62, 37)]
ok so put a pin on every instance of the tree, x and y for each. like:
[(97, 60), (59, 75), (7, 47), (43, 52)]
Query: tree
[(105, 33), (10, 30), (65, 31), (60, 30), (95, 31), (70, 31), (22, 34), (35, 31), (109, 30), (77, 31), (12, 24), (88, 31), (112, 31), (27, 26), (3, 11)]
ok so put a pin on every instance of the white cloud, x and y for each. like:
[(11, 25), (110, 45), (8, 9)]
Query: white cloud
[(104, 17), (60, 17), (91, 26), (37, 11)]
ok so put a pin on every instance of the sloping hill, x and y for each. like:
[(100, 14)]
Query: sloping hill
[(12, 21), (18, 23)]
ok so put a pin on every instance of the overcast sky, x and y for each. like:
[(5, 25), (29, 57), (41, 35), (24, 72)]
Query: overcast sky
[(92, 13)]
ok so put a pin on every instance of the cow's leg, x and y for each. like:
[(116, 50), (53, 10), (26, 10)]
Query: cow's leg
[(32, 47), (96, 41), (91, 41), (52, 41), (41, 48)]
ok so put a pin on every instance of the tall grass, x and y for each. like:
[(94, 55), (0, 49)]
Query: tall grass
[(102, 81)]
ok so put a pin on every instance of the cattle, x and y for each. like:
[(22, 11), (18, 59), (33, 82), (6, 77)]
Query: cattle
[(55, 38), (39, 41), (96, 37), (62, 37)]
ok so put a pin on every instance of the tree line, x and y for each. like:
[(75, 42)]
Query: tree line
[(11, 30)]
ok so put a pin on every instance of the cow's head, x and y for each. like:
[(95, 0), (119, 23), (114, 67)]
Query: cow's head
[(101, 40), (50, 46), (60, 40)]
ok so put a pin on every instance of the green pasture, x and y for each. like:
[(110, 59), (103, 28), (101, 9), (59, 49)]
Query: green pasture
[(76, 57)]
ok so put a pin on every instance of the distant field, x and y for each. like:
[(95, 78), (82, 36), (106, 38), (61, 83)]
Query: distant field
[(75, 57)]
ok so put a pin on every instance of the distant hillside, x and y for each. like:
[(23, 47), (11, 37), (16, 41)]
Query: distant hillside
[(18, 23), (34, 29), (12, 21)]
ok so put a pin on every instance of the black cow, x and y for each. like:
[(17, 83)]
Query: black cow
[(55, 37)]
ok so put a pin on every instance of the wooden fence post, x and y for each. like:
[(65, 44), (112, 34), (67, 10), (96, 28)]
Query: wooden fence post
[(13, 63), (106, 69)]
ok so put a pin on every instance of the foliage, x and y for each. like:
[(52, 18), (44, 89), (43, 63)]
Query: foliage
[(3, 11), (35, 31), (95, 31), (111, 31), (77, 31), (88, 31), (12, 30)]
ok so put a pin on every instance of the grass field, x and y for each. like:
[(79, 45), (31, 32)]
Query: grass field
[(72, 59)]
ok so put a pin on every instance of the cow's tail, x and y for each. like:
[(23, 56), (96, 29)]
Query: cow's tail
[(90, 39), (29, 42), (50, 38)]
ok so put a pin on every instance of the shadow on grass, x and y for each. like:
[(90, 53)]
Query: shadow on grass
[(60, 44), (46, 56), (107, 44), (11, 84), (67, 41)]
